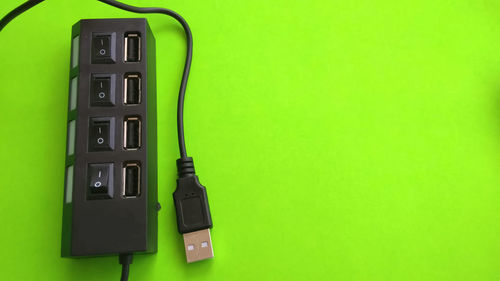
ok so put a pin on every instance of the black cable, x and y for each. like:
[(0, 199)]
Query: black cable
[(17, 11), (187, 66), (125, 260), (125, 270)]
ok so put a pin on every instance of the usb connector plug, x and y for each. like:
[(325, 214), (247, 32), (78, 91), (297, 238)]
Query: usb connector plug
[(198, 245), (193, 213)]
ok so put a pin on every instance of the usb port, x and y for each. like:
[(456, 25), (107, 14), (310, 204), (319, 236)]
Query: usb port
[(132, 47), (131, 133), (131, 180), (132, 89)]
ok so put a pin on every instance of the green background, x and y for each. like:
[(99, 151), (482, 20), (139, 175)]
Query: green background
[(338, 140)]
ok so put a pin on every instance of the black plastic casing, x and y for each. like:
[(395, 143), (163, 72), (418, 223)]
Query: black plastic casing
[(190, 199), (118, 224)]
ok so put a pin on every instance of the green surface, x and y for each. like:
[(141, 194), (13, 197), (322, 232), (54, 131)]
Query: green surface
[(338, 140)]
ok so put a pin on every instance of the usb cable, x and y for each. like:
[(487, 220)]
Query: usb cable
[(17, 11), (190, 197)]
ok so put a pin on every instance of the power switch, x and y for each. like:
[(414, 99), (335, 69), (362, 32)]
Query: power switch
[(100, 181), (103, 47), (103, 90), (101, 134)]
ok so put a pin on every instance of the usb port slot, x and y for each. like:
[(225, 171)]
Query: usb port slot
[(131, 133), (132, 89), (132, 47), (131, 180)]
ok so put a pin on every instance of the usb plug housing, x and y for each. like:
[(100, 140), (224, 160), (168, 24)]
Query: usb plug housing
[(193, 212)]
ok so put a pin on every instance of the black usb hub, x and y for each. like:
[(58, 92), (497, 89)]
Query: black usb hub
[(110, 200)]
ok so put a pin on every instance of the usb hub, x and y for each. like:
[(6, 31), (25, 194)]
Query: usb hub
[(111, 202), (110, 193)]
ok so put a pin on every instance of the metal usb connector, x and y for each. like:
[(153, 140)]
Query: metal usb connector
[(131, 180), (193, 214), (198, 245), (132, 89), (132, 47), (131, 133)]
